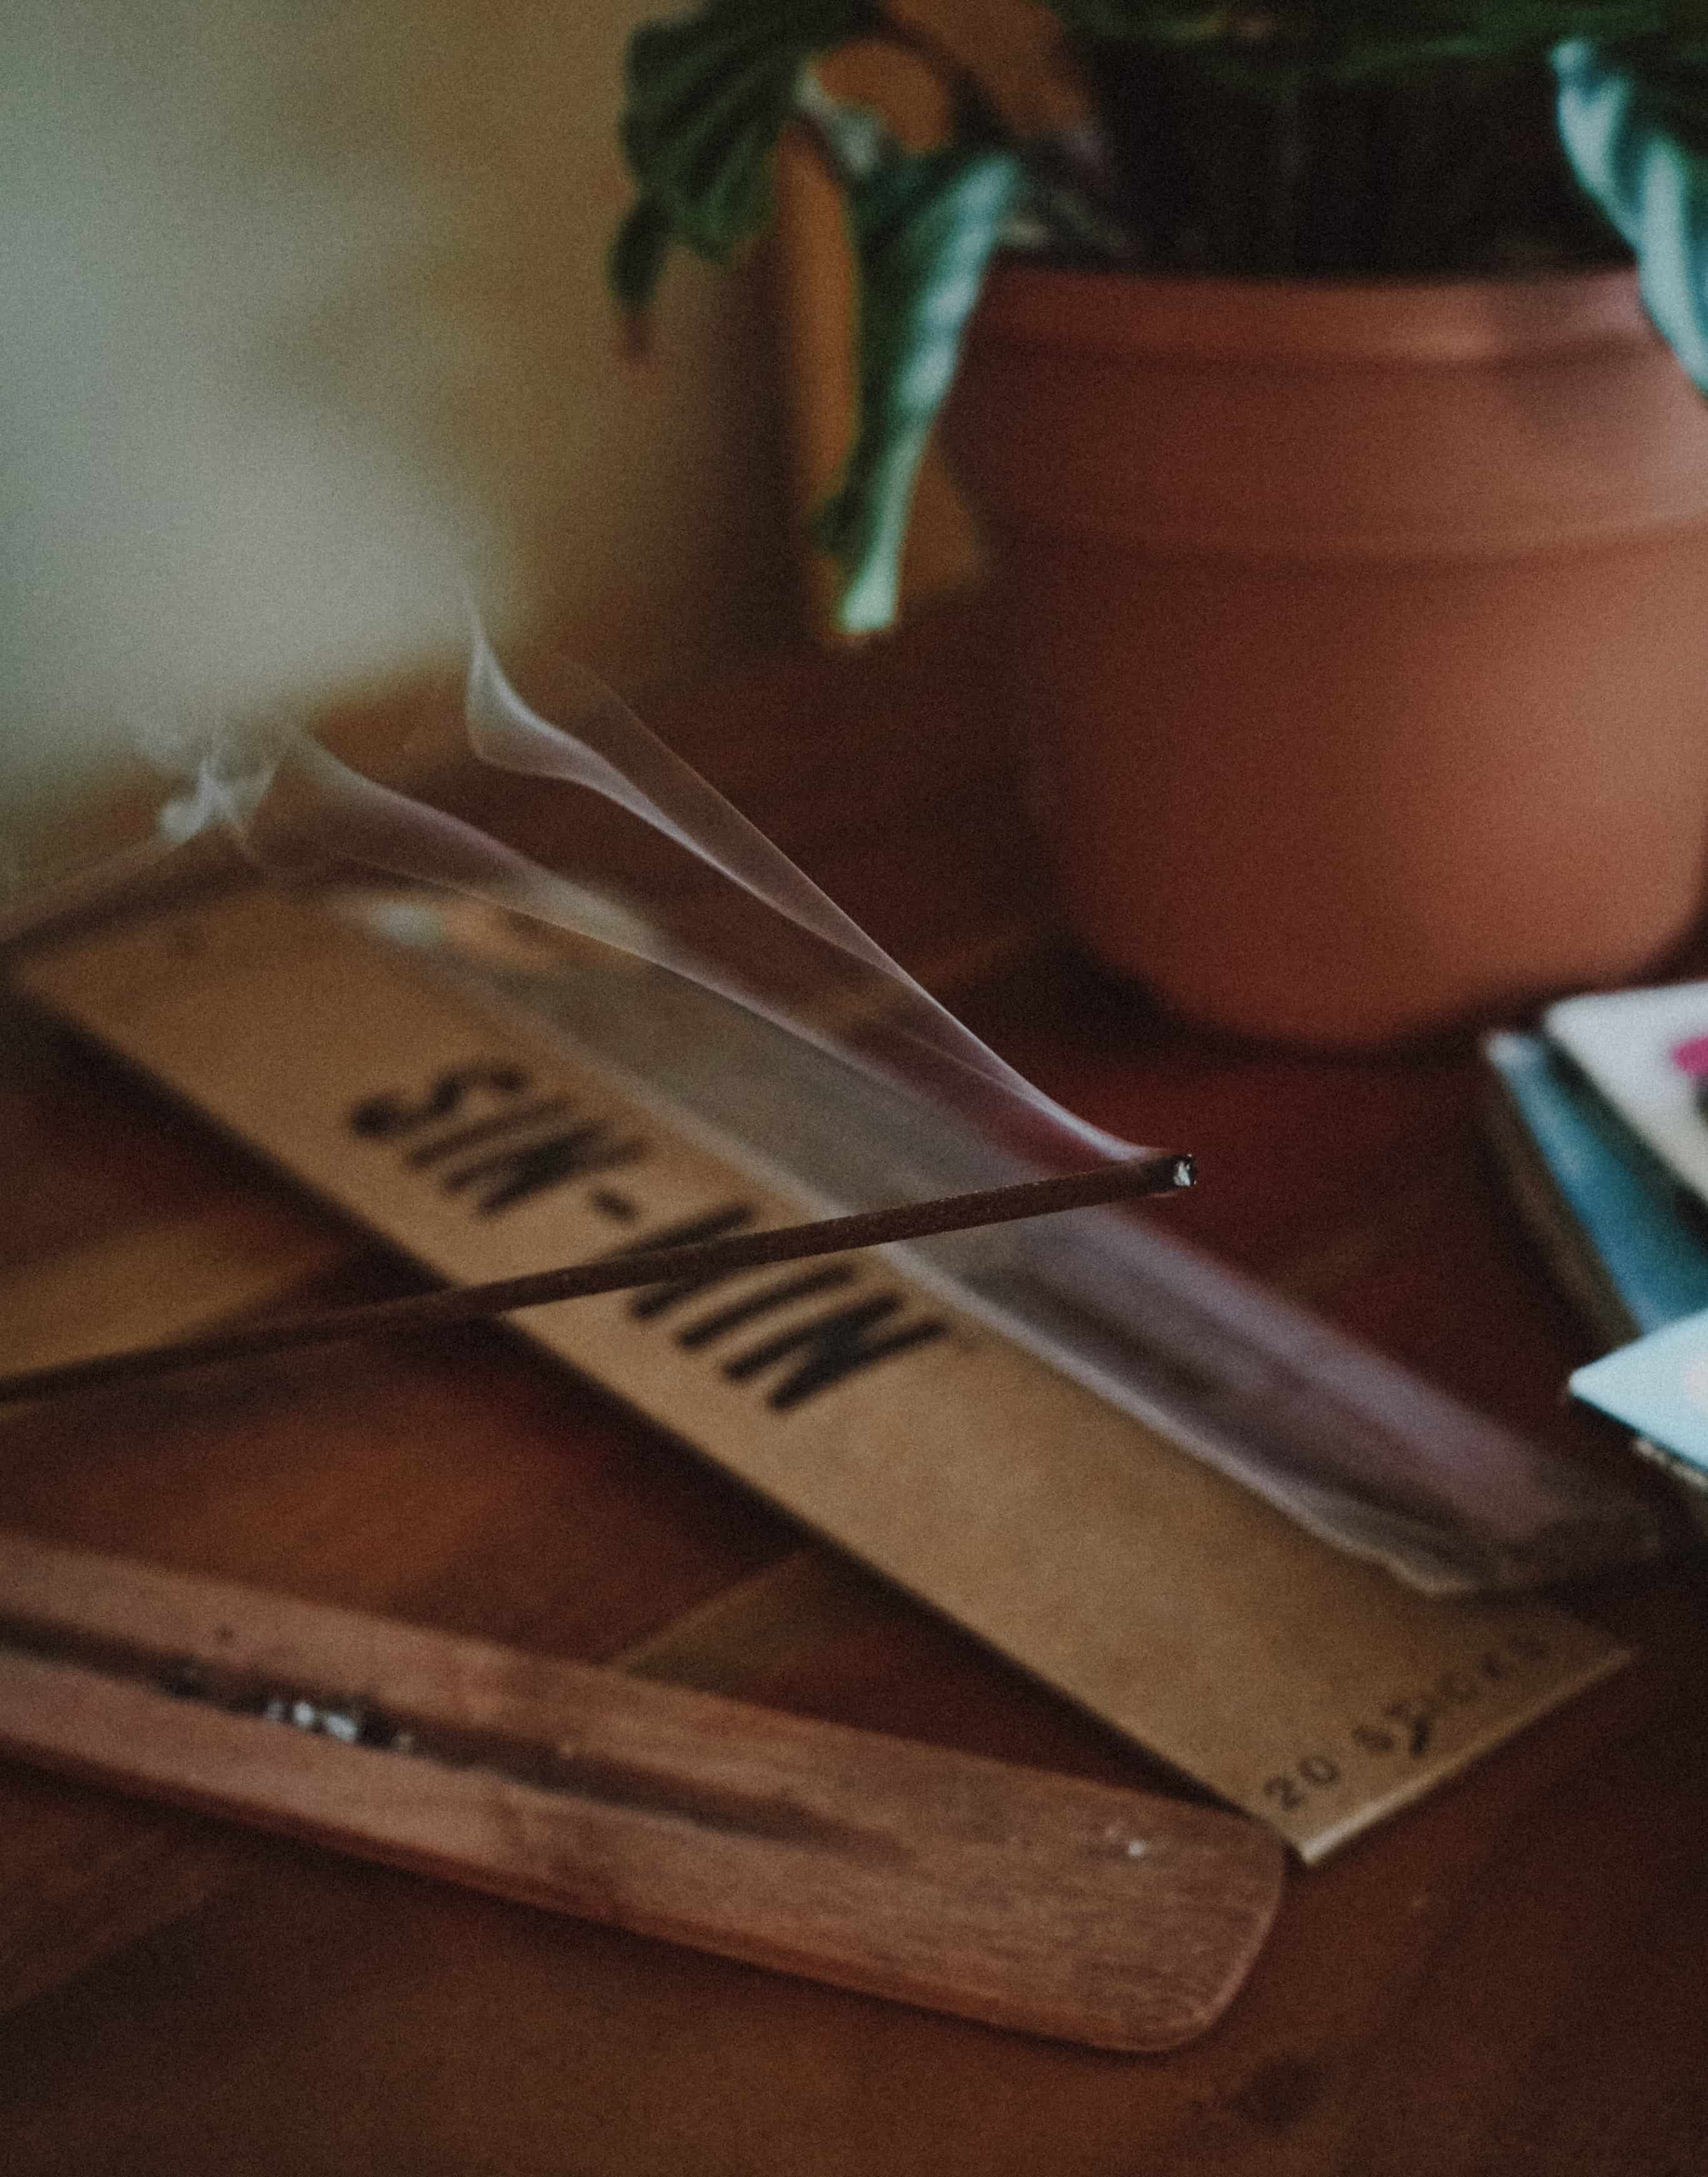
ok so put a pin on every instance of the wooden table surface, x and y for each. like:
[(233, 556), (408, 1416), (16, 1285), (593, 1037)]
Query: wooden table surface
[(1509, 1978)]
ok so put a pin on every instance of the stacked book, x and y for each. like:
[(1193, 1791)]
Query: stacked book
[(1600, 1123)]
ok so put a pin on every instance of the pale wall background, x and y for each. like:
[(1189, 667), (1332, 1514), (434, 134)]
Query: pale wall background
[(304, 320)]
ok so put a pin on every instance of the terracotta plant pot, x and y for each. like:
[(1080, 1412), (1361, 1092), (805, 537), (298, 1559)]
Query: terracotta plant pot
[(1361, 631)]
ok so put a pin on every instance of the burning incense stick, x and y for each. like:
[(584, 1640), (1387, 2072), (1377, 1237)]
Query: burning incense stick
[(1153, 1172)]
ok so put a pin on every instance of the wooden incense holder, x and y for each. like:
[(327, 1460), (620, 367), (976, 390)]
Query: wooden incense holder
[(1080, 1911)]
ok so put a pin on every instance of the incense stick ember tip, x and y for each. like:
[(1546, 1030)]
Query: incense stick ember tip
[(1148, 1172)]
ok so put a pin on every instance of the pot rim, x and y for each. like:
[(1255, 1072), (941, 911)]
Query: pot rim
[(1209, 317)]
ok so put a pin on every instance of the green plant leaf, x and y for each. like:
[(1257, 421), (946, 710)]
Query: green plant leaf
[(706, 99), (924, 228), (638, 251), (1634, 123)]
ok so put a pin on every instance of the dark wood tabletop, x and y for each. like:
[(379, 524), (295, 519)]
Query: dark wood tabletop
[(1508, 1977)]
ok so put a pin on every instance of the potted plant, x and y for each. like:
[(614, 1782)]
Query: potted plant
[(1350, 517)]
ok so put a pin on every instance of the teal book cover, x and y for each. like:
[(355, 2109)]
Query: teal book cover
[(1626, 1241)]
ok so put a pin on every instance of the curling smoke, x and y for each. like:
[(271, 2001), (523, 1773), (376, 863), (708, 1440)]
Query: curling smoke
[(729, 912)]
